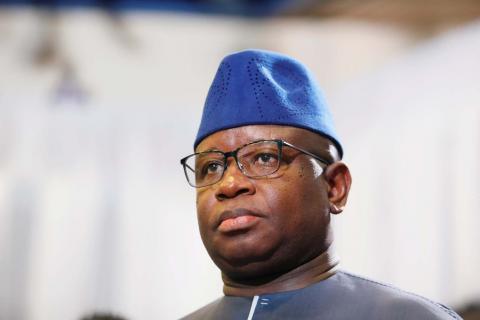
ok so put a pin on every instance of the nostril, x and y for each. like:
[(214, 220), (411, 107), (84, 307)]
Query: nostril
[(244, 190), (221, 196), (226, 194)]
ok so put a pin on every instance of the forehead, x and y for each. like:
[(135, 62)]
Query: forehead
[(233, 138)]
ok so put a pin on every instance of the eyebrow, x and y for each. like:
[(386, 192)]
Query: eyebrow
[(209, 150), (255, 140)]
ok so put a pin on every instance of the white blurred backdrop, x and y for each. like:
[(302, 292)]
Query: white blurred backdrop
[(96, 111)]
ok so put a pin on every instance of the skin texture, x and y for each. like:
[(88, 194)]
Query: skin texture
[(285, 221)]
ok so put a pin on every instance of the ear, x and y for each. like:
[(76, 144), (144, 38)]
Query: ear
[(339, 180)]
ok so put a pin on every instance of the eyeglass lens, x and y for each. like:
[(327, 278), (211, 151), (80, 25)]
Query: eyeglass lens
[(257, 159)]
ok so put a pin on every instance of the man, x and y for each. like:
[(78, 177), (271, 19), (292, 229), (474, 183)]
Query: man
[(268, 172)]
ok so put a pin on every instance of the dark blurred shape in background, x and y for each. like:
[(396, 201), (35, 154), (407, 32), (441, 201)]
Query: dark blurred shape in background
[(102, 316), (408, 12), (238, 7), (470, 312), (99, 99)]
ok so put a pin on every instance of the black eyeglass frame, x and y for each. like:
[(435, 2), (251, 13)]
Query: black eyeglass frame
[(226, 155)]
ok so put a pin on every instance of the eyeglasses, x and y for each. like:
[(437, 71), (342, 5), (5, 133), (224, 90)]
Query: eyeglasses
[(256, 159)]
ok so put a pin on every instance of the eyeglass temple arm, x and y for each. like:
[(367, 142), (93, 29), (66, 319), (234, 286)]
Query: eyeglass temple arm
[(183, 162), (308, 153)]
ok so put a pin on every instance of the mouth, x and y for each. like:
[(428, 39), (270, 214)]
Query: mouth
[(236, 220)]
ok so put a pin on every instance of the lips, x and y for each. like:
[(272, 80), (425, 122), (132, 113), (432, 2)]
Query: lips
[(236, 220)]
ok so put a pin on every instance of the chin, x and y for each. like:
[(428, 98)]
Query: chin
[(251, 273), (242, 247), (236, 259), (252, 270), (249, 266)]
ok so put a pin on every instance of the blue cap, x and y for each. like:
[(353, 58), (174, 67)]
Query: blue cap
[(255, 87)]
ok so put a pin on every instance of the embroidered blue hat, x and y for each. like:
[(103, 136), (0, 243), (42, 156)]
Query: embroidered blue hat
[(254, 87)]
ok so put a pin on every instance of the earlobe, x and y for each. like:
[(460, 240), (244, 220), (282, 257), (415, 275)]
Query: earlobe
[(339, 181), (334, 209)]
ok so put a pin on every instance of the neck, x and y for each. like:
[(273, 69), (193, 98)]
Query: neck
[(315, 270)]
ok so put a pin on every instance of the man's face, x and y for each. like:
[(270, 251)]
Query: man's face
[(261, 227)]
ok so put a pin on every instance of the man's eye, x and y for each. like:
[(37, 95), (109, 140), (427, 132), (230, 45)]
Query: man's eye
[(211, 168), (266, 159)]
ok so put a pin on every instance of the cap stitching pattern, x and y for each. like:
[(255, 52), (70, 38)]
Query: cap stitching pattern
[(219, 87), (253, 83), (258, 82)]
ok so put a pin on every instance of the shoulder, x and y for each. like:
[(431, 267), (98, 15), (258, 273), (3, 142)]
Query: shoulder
[(386, 301), (226, 307), (204, 312)]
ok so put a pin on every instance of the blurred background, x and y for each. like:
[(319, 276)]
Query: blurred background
[(100, 99)]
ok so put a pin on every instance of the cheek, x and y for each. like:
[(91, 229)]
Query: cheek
[(284, 201), (204, 204), (299, 199)]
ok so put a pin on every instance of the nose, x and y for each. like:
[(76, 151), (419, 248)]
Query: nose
[(234, 183)]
